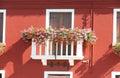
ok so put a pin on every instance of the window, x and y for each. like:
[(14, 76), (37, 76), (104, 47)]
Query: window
[(115, 75), (57, 18), (2, 73), (116, 26), (2, 25), (58, 74)]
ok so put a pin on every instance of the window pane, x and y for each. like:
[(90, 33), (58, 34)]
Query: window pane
[(60, 19), (0, 75), (117, 76), (1, 26)]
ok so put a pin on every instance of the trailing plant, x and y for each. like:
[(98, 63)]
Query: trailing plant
[(116, 48), (63, 34), (2, 45), (28, 34), (90, 36)]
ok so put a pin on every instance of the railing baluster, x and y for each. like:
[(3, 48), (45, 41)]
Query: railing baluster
[(56, 48), (79, 48), (50, 47), (47, 47), (33, 53), (61, 50), (72, 48), (40, 49), (66, 49)]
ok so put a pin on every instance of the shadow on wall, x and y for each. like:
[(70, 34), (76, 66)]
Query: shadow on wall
[(84, 20), (15, 55), (101, 67)]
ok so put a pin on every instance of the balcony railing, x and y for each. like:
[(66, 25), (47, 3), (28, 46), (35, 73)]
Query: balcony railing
[(57, 51)]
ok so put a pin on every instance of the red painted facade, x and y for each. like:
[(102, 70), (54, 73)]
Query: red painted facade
[(22, 14)]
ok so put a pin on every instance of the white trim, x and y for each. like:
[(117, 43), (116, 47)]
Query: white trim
[(115, 25), (52, 57), (3, 73), (59, 57), (114, 73), (4, 23), (58, 10), (46, 73)]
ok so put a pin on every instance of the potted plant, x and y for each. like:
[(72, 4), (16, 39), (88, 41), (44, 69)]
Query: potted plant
[(90, 37), (28, 34)]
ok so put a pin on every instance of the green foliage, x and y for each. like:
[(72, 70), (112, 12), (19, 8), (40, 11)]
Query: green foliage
[(116, 48), (2, 47), (58, 35)]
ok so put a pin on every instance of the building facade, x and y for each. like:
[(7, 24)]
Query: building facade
[(19, 59)]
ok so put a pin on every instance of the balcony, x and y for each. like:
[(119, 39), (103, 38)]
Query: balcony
[(62, 44), (57, 51)]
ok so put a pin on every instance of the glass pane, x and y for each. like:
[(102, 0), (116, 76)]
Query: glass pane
[(60, 19), (58, 76), (1, 26), (117, 76), (0, 75)]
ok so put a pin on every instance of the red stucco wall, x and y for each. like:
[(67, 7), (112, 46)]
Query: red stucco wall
[(22, 14)]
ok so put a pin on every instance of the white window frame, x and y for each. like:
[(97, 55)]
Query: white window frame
[(114, 73), (3, 73), (58, 10), (115, 25), (4, 23), (46, 73)]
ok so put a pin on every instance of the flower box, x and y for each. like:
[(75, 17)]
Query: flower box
[(63, 34)]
